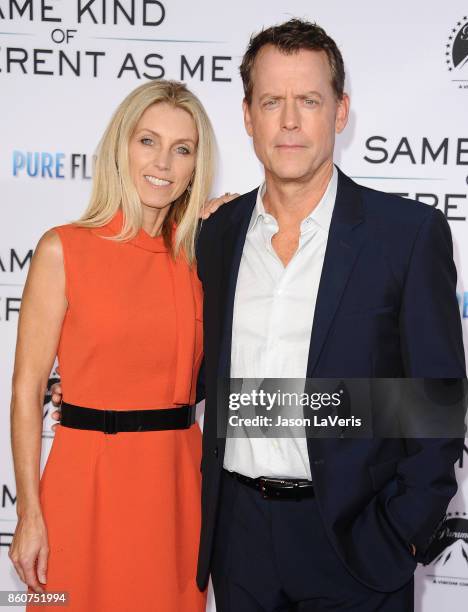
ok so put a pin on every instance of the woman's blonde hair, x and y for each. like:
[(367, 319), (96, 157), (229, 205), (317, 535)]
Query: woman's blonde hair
[(113, 186)]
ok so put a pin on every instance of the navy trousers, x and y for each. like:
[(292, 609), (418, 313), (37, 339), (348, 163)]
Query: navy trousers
[(274, 555)]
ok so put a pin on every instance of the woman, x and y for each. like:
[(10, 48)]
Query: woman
[(114, 520)]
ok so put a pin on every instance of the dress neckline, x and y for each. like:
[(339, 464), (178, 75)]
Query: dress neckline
[(142, 240)]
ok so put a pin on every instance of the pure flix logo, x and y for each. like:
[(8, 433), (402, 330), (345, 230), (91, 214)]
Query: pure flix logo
[(52, 165), (456, 49)]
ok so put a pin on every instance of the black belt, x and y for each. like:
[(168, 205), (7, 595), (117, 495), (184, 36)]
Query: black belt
[(113, 421), (277, 488)]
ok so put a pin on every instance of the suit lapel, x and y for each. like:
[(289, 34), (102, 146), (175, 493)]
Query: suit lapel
[(233, 245), (345, 240)]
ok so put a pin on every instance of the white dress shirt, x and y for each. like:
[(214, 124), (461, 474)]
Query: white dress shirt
[(272, 324)]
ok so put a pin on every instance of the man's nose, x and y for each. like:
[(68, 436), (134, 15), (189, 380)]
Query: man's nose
[(290, 118)]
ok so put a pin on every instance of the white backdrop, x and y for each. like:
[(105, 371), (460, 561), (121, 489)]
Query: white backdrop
[(408, 81)]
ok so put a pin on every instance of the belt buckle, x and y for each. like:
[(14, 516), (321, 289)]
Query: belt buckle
[(192, 414), (190, 420), (263, 483), (110, 422), (267, 487)]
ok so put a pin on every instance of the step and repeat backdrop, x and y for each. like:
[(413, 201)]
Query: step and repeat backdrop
[(65, 66)]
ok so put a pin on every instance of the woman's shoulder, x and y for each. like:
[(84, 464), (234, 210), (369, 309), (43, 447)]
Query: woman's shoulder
[(69, 229), (49, 243), (72, 234), (49, 251), (59, 240)]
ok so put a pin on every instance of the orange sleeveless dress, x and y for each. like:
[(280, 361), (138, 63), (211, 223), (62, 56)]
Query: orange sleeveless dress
[(123, 510)]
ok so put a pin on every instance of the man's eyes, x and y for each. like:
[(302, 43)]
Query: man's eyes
[(274, 102)]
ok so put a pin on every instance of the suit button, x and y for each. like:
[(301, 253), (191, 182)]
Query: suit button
[(215, 452)]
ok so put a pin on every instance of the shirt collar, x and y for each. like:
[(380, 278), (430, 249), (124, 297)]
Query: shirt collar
[(321, 214)]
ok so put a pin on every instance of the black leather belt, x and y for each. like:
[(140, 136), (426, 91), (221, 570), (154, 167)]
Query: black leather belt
[(277, 488), (113, 421)]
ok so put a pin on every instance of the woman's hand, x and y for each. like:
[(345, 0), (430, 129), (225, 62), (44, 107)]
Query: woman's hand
[(29, 551), (212, 205)]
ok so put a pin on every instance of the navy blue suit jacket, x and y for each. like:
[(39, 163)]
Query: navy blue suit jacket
[(386, 307)]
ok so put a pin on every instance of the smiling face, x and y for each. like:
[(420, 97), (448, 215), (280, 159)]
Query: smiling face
[(294, 114), (162, 154)]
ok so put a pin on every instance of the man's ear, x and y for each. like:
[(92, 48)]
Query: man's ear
[(247, 118), (342, 114)]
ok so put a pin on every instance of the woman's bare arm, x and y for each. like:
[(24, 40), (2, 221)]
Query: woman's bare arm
[(42, 311)]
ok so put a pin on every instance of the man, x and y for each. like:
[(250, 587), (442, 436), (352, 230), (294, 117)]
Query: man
[(312, 275)]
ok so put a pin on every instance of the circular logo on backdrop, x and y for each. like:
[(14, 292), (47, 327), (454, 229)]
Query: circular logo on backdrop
[(447, 556), (48, 421), (456, 49)]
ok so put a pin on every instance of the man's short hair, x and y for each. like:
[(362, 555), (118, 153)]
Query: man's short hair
[(291, 37)]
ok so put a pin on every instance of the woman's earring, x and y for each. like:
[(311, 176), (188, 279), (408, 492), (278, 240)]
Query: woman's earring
[(189, 188)]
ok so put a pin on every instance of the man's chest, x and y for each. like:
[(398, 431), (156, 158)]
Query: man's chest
[(274, 308)]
